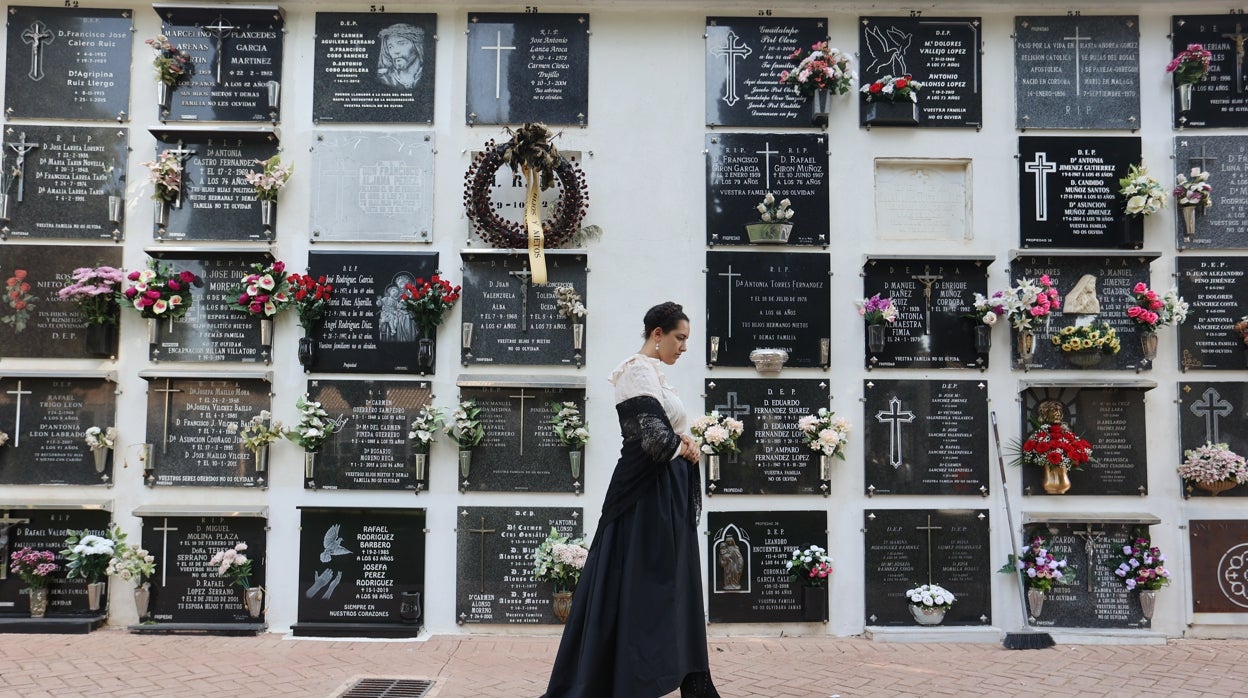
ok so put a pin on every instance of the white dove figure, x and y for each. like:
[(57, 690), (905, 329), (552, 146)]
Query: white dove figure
[(888, 50), (333, 544)]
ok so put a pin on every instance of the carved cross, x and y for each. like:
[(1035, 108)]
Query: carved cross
[(730, 51), (498, 49), (17, 418), (482, 530), (37, 35), (219, 30)]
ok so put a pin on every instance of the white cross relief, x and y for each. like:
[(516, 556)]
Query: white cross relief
[(1041, 168), (164, 550), (37, 35), (895, 416), (729, 274), (1211, 407), (730, 51), (17, 419), (767, 152), (498, 49), (522, 397), (1078, 58)]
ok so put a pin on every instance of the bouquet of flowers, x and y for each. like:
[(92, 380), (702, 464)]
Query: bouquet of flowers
[(428, 301), (425, 427), (4, 437), (772, 211), (1030, 300), (570, 304), (824, 434), (33, 566), (876, 310), (1241, 328), (1040, 569), (1142, 191), (988, 309), (1054, 445), (818, 68), (1151, 311), (270, 180), (1193, 189), (234, 564), (263, 293), (88, 555), (165, 174), (18, 297), (560, 560), (311, 298), (94, 290), (129, 561), (159, 292), (567, 424), (98, 438), (258, 432), (1191, 65), (1141, 566), (172, 64), (1097, 336), (931, 596), (717, 434), (1213, 463), (314, 427), (893, 89), (811, 566), (465, 428)]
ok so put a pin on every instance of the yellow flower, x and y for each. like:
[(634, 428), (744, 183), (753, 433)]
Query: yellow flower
[(1087, 344), (1095, 334), (1068, 330), (1066, 347), (1056, 339)]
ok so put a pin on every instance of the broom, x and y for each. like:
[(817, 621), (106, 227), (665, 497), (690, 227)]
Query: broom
[(1026, 639)]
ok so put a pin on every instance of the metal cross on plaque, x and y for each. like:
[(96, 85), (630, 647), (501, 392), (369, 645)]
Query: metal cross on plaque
[(895, 418), (1090, 538), (219, 30), (1211, 406), (164, 550), (21, 147), (1041, 168), (928, 279), (482, 530), (1078, 58), (929, 528), (1203, 161), (1238, 37), (498, 49), (182, 153), (767, 152), (7, 524), (167, 390), (17, 418), (729, 275), (37, 35), (521, 397), (730, 51), (525, 276)]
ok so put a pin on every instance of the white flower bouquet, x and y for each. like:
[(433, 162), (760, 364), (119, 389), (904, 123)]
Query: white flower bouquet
[(425, 427), (717, 434), (1142, 191), (825, 433), (931, 596), (98, 438)]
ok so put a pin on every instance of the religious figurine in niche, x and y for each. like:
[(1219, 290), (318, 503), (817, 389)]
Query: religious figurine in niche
[(400, 61), (1051, 412), (731, 562), (394, 323), (1082, 298)]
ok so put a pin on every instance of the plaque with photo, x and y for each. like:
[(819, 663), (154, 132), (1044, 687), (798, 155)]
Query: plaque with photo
[(374, 67), (935, 326), (38, 324), (746, 574), (1077, 72), (742, 168), (212, 330), (1218, 548), (46, 420), (525, 67), (1214, 413), (46, 529), (768, 300), (906, 548), (188, 422), (1224, 225), (744, 59), (520, 451), (372, 452), (1093, 596), (774, 458), (369, 186), (941, 53), (366, 328), (1068, 192), (361, 571), (216, 203), (185, 588), (68, 63), (494, 563), (510, 321), (71, 182), (1220, 100), (236, 62), (1218, 298), (1111, 418), (926, 437)]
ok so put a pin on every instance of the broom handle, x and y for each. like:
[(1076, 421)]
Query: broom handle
[(1009, 516)]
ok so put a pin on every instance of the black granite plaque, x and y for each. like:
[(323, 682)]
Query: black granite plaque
[(185, 588), (47, 327), (360, 565), (68, 63), (1221, 99), (1113, 277), (934, 299), (72, 183), (211, 330), (366, 329), (46, 420), (744, 59), (906, 548), (925, 437), (1218, 297), (1112, 421), (46, 529), (374, 67), (768, 300), (513, 321), (774, 459), (187, 427), (217, 202), (1080, 72), (942, 53), (494, 562), (1088, 549), (1068, 192), (1219, 551), (526, 67), (1213, 413), (520, 452), (373, 451), (760, 542), (1224, 225), (236, 62), (741, 168)]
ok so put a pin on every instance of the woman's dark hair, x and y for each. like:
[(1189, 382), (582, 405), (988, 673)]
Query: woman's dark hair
[(665, 316)]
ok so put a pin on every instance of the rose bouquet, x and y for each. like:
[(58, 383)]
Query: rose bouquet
[(98, 438), (1095, 337), (131, 563), (269, 181), (311, 299), (1213, 463), (876, 310), (1191, 65), (931, 596), (568, 425), (1030, 300), (87, 555), (264, 293), (33, 566), (772, 211), (425, 427), (818, 68), (165, 174), (1193, 189), (560, 560), (234, 564), (1054, 445), (172, 64), (18, 297), (825, 434), (466, 428), (1144, 194), (428, 301), (717, 434), (1038, 566), (94, 290), (159, 292), (1151, 311), (811, 566), (893, 89), (988, 309), (1141, 567), (314, 427)]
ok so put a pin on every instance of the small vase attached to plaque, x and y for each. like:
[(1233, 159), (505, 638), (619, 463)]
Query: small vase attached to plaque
[(1189, 221), (875, 338), (1185, 96), (267, 208), (819, 102)]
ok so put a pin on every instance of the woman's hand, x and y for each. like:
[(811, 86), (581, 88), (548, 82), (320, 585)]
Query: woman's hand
[(689, 449)]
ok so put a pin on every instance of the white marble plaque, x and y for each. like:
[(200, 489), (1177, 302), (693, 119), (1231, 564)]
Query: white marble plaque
[(372, 186), (922, 199)]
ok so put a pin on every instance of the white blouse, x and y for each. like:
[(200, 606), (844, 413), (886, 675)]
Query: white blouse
[(640, 375)]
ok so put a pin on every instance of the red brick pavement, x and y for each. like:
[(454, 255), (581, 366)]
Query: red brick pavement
[(117, 663)]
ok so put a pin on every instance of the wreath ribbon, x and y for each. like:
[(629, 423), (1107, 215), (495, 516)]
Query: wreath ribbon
[(533, 222)]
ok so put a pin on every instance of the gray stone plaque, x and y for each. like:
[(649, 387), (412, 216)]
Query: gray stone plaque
[(1215, 288), (48, 327), (46, 419), (526, 67), (744, 59), (373, 186), (187, 428), (520, 452), (373, 451), (1224, 225)]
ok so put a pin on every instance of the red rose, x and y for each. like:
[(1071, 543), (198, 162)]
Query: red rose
[(876, 87), (20, 273), (901, 82), (1055, 458)]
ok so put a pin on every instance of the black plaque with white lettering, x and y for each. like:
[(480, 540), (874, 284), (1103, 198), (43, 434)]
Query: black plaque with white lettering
[(46, 326), (941, 53), (528, 67), (904, 545), (68, 63), (373, 67), (372, 452), (746, 556), (1088, 549), (72, 183), (1218, 297), (47, 529), (520, 452), (1112, 420), (925, 436), (774, 459), (211, 330), (1068, 192), (768, 300), (1213, 413), (508, 320), (934, 297), (1221, 99), (1079, 72), (217, 203), (744, 59), (1224, 225), (742, 168), (366, 328), (494, 562), (236, 57), (188, 423), (359, 568), (46, 420), (185, 588)]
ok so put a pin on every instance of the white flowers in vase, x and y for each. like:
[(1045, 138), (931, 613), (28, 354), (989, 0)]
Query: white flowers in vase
[(98, 438), (717, 434), (772, 211), (425, 427), (931, 596), (824, 433)]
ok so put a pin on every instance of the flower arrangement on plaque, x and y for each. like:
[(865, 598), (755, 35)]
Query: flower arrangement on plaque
[(571, 306), (1151, 311), (817, 73), (773, 226), (101, 441), (878, 313), (233, 564), (1193, 193), (985, 311), (1189, 67), (466, 430), (572, 431), (826, 434), (929, 603), (268, 182), (1026, 303), (1053, 446), (35, 568), (87, 556), (894, 101), (1143, 193), (1039, 569), (427, 302), (314, 428), (257, 434), (1214, 468), (1085, 345), (94, 290), (165, 174), (310, 297), (18, 298), (422, 434), (132, 563), (4, 437), (560, 561), (172, 65), (716, 434), (1141, 568), (264, 294), (810, 570), (159, 293)]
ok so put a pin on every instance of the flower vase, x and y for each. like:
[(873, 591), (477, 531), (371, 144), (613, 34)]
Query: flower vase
[(1215, 488), (1056, 479), (1035, 602), (142, 598), (562, 605), (164, 95), (100, 457), (1185, 96), (814, 604), (712, 466), (114, 209), (161, 211), (266, 332), (421, 459), (819, 104), (769, 233), (1148, 345), (253, 599), (1189, 221), (409, 607), (153, 330), (38, 601), (875, 338), (574, 460), (983, 338), (825, 466), (927, 615), (1148, 603), (1026, 345), (99, 338), (307, 352), (425, 353), (260, 457), (267, 209), (578, 336), (95, 593), (6, 207), (465, 462), (899, 113), (309, 465), (1085, 358)]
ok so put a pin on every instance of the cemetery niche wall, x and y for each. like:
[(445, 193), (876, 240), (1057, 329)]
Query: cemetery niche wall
[(45, 418), (44, 526), (747, 578)]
